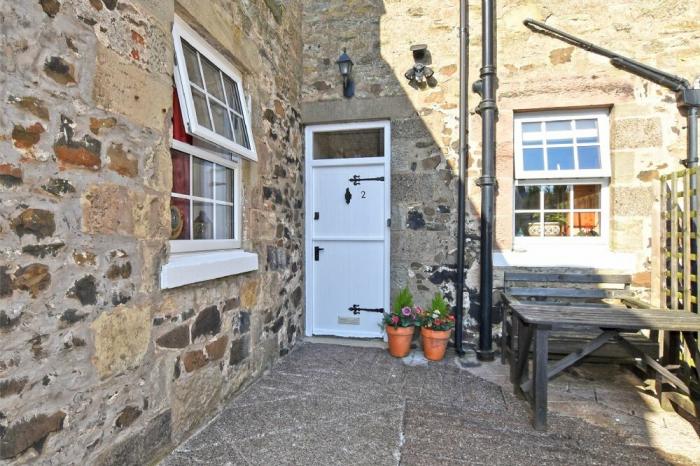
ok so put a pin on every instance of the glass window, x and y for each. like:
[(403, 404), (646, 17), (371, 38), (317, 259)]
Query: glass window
[(558, 210), (561, 147), (212, 91), (201, 204), (349, 144)]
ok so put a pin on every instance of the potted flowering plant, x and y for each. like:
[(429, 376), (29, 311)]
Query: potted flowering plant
[(436, 324), (400, 324)]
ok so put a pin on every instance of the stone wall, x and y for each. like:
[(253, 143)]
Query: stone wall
[(98, 365), (535, 73)]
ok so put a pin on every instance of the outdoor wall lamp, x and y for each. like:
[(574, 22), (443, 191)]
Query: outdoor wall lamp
[(420, 72), (345, 66)]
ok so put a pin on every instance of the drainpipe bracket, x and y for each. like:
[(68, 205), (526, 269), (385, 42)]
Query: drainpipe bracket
[(486, 181)]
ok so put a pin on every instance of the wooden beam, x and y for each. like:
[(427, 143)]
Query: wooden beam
[(654, 365), (540, 377), (622, 279), (574, 357), (564, 292)]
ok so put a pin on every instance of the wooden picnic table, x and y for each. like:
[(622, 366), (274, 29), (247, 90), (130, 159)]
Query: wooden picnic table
[(533, 324)]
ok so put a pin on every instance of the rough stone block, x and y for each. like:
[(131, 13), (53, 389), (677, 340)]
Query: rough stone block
[(633, 133), (179, 337), (123, 88), (121, 339), (18, 437), (33, 278), (37, 222), (208, 322), (217, 348)]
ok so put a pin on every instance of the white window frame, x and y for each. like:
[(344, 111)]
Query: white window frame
[(182, 31), (527, 241), (602, 115), (192, 245)]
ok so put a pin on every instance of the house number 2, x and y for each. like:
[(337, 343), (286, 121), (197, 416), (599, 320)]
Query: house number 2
[(364, 195)]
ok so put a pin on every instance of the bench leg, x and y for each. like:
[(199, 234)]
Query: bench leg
[(521, 365), (505, 346), (540, 378), (514, 349)]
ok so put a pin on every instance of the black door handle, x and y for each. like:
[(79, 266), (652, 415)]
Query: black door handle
[(317, 251)]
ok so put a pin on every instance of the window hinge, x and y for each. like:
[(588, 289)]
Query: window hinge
[(388, 223)]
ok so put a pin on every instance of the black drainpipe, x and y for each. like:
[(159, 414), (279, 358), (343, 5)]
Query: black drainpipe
[(486, 87), (463, 141)]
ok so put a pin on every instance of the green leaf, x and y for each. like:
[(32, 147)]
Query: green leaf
[(403, 299)]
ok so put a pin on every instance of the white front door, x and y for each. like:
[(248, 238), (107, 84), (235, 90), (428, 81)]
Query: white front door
[(347, 228)]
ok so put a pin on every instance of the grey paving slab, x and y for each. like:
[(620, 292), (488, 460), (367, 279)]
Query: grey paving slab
[(330, 404)]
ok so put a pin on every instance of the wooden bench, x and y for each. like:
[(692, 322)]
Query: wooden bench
[(533, 324), (594, 289)]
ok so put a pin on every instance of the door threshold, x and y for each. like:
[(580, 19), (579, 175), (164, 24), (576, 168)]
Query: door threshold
[(346, 341)]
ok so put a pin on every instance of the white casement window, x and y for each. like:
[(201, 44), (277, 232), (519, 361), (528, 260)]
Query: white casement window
[(211, 131), (210, 90), (562, 170), (573, 144), (205, 200)]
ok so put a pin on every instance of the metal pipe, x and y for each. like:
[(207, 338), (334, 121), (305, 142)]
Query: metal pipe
[(692, 160), (646, 70), (488, 111), (463, 128)]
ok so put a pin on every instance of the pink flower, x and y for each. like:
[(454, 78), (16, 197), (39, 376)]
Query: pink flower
[(406, 311), (438, 322), (394, 319)]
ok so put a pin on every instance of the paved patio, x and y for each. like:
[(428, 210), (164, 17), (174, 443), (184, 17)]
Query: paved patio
[(327, 404)]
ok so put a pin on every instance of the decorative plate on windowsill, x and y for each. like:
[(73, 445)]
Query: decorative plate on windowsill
[(176, 222)]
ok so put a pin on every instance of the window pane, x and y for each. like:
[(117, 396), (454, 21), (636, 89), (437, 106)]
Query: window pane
[(560, 158), (533, 159), (232, 95), (222, 123), (212, 77), (202, 178), (588, 157), (587, 140), (587, 196), (224, 223), (553, 141), (558, 126), (349, 144), (224, 184), (557, 224), (527, 198), (192, 64), (240, 131), (527, 224), (181, 172), (179, 218), (587, 124), (200, 108), (202, 222), (556, 196), (532, 127), (586, 224)]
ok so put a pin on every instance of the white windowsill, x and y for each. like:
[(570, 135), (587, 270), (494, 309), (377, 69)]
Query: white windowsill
[(195, 267), (574, 255)]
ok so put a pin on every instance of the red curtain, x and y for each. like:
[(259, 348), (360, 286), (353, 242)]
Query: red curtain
[(179, 132)]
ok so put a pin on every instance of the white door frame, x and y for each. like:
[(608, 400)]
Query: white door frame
[(308, 204)]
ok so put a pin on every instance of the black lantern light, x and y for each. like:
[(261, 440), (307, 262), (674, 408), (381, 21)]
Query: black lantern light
[(345, 66)]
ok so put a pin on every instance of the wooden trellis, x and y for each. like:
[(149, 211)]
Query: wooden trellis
[(680, 217)]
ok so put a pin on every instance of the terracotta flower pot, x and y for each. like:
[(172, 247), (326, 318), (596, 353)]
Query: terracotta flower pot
[(399, 340), (434, 343)]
